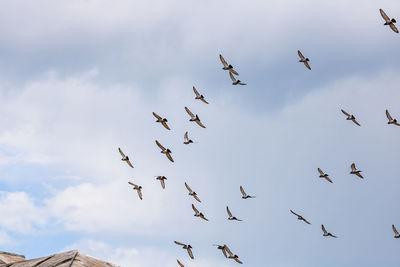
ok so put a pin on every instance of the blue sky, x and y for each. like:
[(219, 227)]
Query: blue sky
[(79, 79)]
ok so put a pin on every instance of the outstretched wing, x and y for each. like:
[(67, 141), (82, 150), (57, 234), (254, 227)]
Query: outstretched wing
[(197, 198), (345, 113), (195, 91), (228, 250), (388, 115), (160, 146), (223, 60), (165, 125), (294, 213), (169, 156), (383, 14), (188, 188), (122, 153), (186, 137), (300, 55), (158, 117), (202, 99), (237, 260), (162, 183), (393, 27), (139, 191), (323, 229), (328, 179), (232, 78), (229, 212), (179, 243), (132, 184), (242, 190), (395, 230), (200, 124), (359, 175), (353, 167), (320, 171), (180, 264), (307, 65), (190, 253), (129, 163), (195, 210), (356, 122), (189, 112)]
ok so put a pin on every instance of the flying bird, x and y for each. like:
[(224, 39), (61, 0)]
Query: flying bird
[(391, 120), (187, 247), (163, 121), (192, 193), (198, 214), (350, 117), (186, 139), (389, 21), (303, 60), (231, 256), (326, 233), (244, 195), (162, 180), (235, 82), (125, 158), (231, 218), (194, 118), (355, 171), (199, 96), (227, 66), (165, 151), (299, 217), (396, 234), (137, 188), (180, 264), (324, 175), (222, 248)]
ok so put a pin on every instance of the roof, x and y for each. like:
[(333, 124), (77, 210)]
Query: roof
[(66, 259), (6, 257)]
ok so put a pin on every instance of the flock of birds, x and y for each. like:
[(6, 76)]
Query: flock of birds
[(195, 118)]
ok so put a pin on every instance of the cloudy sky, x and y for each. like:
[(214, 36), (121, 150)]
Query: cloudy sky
[(78, 79)]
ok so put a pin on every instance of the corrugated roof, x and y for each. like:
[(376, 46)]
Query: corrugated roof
[(66, 259)]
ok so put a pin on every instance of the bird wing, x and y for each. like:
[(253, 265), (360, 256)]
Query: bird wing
[(229, 212), (200, 124), (393, 27), (195, 210), (320, 171), (359, 175), (237, 260), (223, 61), (180, 264), (396, 123), (165, 125), (162, 183), (202, 99), (197, 198), (188, 188), (228, 250), (224, 252), (232, 78), (356, 122), (388, 115), (242, 190), (300, 54), (383, 14), (323, 228), (294, 213), (132, 184), (160, 146), (179, 243), (307, 65), (122, 153), (189, 112), (169, 156), (353, 167), (190, 253), (307, 222), (158, 117), (242, 83), (328, 179), (234, 72), (395, 230), (345, 113), (129, 163), (195, 91), (139, 191), (186, 137)]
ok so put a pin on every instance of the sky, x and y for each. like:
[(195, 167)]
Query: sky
[(78, 79)]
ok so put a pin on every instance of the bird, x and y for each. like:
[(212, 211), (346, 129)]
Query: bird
[(198, 214), (391, 120), (304, 60), (192, 193), (355, 171), (396, 234), (167, 151), (235, 82), (231, 218), (186, 139), (137, 188), (163, 121), (180, 264), (187, 247), (299, 217), (194, 118), (231, 256), (324, 175), (199, 96), (222, 248), (227, 66), (350, 117), (389, 21), (244, 195), (162, 180), (125, 158), (326, 233)]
